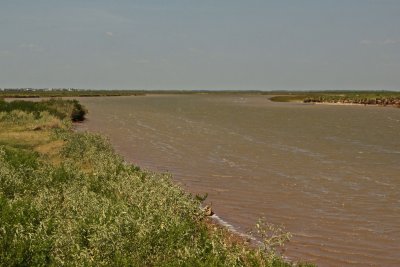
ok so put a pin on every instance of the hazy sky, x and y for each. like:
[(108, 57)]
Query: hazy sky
[(184, 44)]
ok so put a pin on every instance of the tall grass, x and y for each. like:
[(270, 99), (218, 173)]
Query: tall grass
[(60, 108)]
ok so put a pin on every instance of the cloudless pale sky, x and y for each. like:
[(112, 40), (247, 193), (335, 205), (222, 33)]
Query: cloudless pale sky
[(188, 44)]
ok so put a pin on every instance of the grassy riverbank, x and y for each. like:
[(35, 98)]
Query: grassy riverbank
[(66, 198)]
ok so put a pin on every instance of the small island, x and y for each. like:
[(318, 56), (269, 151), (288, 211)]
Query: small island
[(378, 98)]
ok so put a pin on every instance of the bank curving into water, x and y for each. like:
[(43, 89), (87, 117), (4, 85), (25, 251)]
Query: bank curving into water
[(314, 168), (66, 198)]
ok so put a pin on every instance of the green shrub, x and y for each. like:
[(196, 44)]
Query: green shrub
[(78, 112)]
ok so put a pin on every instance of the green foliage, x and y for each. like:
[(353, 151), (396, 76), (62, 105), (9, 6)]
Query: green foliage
[(59, 108), (273, 238), (19, 157), (78, 112), (286, 98), (201, 198), (29, 107)]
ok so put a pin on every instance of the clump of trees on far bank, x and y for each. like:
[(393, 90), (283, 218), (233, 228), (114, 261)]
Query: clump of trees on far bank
[(382, 101), (383, 98)]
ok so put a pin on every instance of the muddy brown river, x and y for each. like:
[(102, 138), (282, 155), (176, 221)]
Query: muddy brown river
[(329, 174)]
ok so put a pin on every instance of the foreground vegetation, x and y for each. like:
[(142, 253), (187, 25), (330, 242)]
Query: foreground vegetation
[(66, 198), (381, 98)]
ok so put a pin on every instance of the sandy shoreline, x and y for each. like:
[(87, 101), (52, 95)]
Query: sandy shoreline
[(354, 104), (345, 104)]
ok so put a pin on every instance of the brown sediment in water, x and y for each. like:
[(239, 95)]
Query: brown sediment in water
[(328, 173)]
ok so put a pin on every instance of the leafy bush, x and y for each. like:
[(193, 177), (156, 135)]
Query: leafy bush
[(78, 112)]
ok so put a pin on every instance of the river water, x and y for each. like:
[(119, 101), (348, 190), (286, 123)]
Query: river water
[(329, 174)]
